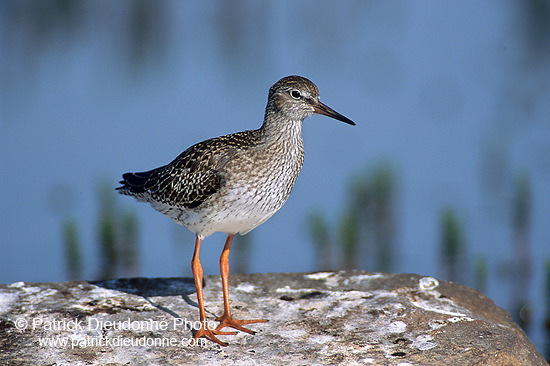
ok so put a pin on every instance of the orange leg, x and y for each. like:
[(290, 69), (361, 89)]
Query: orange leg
[(226, 320), (204, 330)]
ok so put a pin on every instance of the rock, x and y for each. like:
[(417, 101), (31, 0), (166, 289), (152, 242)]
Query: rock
[(327, 318)]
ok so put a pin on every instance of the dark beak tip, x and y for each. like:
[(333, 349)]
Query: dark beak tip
[(349, 122), (327, 111)]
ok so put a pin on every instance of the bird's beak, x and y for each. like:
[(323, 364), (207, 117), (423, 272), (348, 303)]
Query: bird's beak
[(321, 108)]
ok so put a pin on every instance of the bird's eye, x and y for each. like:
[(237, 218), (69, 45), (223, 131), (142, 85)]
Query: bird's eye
[(295, 94)]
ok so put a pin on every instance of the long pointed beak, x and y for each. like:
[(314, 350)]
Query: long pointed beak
[(321, 108)]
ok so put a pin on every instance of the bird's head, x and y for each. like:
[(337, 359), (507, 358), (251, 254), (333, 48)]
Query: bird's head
[(296, 97)]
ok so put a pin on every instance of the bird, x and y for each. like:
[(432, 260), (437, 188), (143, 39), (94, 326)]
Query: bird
[(233, 183)]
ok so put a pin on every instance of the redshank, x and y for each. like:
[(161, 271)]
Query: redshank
[(234, 183)]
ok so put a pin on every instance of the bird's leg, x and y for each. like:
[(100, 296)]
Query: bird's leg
[(204, 330), (226, 320)]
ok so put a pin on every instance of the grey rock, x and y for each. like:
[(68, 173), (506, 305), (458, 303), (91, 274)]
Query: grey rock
[(324, 318)]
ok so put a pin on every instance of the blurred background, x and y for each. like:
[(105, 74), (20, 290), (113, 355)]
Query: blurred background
[(446, 174)]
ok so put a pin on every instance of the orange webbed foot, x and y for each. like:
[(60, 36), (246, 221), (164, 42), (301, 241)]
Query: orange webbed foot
[(229, 321), (211, 334)]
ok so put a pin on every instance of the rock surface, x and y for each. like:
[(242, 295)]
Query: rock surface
[(325, 318)]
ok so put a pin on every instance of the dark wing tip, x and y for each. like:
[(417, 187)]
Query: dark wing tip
[(134, 183)]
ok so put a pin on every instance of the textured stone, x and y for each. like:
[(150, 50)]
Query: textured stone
[(351, 317)]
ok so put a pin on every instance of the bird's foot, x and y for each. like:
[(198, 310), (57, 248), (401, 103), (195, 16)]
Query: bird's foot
[(228, 321), (208, 333)]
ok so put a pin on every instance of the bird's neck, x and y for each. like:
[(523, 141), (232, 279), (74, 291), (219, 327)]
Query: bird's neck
[(279, 128), (282, 138)]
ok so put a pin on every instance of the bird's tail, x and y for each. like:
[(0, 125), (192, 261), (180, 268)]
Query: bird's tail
[(136, 184)]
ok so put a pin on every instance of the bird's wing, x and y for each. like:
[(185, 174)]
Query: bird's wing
[(190, 179), (185, 182)]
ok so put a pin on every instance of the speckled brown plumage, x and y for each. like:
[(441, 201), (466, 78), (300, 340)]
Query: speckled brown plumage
[(234, 183), (193, 176)]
